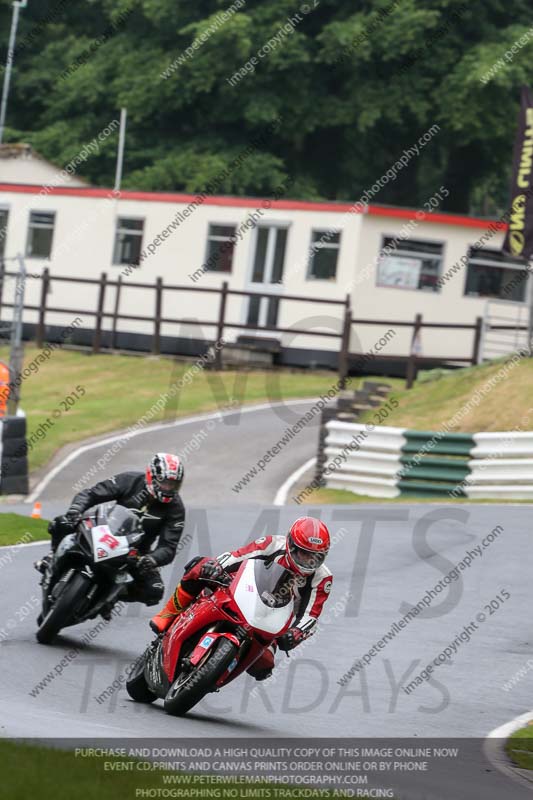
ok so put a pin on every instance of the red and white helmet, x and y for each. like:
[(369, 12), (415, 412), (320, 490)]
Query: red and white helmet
[(164, 476), (307, 545)]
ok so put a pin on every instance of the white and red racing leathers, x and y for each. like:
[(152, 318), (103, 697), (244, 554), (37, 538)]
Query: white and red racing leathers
[(310, 591)]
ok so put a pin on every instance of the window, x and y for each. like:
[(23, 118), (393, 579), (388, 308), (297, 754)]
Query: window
[(409, 264), (128, 241), (40, 234), (4, 214), (261, 244), (324, 252), (278, 260), (220, 248), (491, 273)]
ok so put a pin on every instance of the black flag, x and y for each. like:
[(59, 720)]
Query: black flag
[(519, 239)]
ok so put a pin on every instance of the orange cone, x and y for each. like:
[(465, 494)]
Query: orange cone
[(36, 513)]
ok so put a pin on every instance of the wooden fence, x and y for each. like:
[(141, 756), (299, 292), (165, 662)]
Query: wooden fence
[(104, 284)]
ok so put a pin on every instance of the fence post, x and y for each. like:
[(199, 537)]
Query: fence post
[(99, 313), (411, 361), (156, 346), (45, 285), (345, 344), (477, 341), (115, 312), (220, 325)]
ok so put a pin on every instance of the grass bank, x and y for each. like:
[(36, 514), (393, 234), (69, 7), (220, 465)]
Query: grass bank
[(343, 497), (118, 390), (489, 397), (15, 529), (30, 771), (505, 400), (519, 747)]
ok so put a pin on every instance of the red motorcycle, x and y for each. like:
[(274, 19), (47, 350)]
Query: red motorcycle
[(223, 632)]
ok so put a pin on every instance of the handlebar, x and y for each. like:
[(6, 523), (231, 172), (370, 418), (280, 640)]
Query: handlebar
[(224, 581)]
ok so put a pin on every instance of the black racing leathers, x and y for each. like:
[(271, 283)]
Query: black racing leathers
[(161, 521)]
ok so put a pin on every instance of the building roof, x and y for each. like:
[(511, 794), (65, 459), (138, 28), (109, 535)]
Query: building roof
[(440, 218), (20, 164)]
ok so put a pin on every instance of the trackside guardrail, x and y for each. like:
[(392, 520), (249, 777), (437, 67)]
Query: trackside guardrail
[(389, 462)]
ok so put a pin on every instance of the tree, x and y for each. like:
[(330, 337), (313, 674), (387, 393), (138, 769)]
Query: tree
[(353, 90)]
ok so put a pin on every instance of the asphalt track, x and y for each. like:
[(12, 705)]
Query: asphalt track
[(218, 449), (385, 557)]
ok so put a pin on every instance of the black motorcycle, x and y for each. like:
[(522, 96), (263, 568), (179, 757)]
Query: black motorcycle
[(89, 570)]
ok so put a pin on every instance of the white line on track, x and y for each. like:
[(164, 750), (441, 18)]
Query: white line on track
[(184, 421), (495, 753), (281, 495), (23, 544), (151, 429)]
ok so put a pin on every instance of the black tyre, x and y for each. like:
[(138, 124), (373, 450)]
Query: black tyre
[(189, 688), (64, 608), (136, 686)]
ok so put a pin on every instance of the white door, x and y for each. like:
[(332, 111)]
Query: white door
[(266, 274)]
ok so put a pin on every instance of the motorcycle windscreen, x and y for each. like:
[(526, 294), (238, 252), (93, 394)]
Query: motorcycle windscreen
[(264, 595), (121, 521)]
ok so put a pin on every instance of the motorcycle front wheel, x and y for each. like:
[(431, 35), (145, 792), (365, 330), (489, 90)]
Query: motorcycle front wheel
[(63, 610), (190, 687)]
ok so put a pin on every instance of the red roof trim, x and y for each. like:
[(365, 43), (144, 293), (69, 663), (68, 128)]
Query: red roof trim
[(439, 219), (253, 202)]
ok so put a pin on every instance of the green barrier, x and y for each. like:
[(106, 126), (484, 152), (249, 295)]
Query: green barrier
[(426, 436), (457, 474), (413, 488), (433, 443)]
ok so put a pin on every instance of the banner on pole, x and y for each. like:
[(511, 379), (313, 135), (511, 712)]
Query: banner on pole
[(519, 239)]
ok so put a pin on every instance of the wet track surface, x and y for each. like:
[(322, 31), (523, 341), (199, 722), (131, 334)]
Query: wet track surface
[(375, 559), (384, 560), (218, 449)]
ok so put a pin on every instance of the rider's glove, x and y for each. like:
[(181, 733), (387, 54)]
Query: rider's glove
[(213, 571), (146, 564), (73, 517), (291, 639)]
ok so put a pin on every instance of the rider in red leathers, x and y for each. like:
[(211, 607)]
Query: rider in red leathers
[(301, 552)]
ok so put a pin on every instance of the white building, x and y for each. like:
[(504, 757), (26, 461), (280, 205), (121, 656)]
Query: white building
[(394, 263)]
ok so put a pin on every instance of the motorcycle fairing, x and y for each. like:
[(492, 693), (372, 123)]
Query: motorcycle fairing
[(65, 544), (106, 545), (206, 643), (200, 615), (255, 610), (210, 609)]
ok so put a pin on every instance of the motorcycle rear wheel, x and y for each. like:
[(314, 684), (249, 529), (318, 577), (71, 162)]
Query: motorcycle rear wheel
[(61, 613), (189, 688)]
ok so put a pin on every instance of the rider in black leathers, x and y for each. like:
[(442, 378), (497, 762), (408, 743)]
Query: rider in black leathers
[(154, 494)]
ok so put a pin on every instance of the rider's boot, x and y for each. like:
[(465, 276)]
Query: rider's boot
[(174, 606)]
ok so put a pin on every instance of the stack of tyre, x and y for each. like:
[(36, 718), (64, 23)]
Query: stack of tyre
[(13, 456)]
